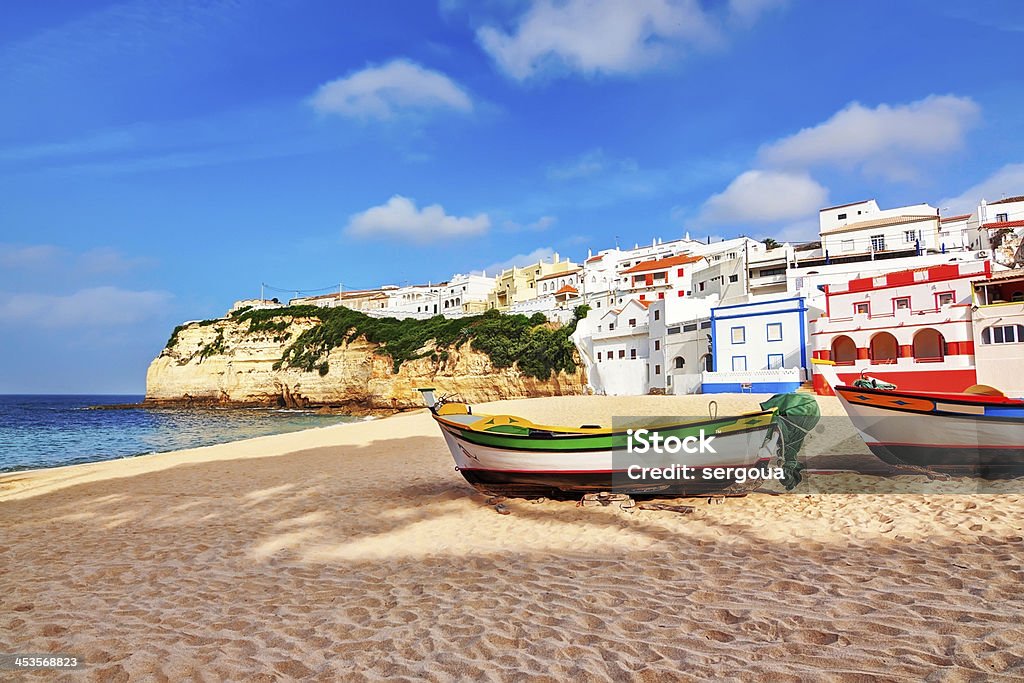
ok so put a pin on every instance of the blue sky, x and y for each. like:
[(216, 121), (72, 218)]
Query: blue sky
[(158, 160)]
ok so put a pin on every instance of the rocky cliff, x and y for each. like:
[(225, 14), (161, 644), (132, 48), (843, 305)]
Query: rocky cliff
[(227, 362)]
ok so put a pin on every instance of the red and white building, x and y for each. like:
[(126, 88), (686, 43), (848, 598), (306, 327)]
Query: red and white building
[(912, 328), (659, 278)]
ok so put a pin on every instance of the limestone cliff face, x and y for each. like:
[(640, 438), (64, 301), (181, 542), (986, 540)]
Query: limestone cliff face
[(225, 364)]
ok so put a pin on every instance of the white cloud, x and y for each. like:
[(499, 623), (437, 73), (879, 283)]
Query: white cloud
[(887, 140), (542, 223), (46, 257), (93, 307), (608, 36), (30, 256), (1008, 181), (400, 217), (590, 164), (764, 197), (520, 260), (382, 91)]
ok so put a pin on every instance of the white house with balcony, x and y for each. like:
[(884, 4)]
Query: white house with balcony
[(910, 327), (615, 345), (863, 230)]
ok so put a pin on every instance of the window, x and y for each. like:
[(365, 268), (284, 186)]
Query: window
[(862, 308), (734, 278), (841, 217), (622, 353), (739, 335), (611, 326), (1003, 334), (599, 356), (673, 330), (1002, 217), (909, 236), (632, 354), (847, 245), (657, 315), (700, 287), (690, 327), (944, 299), (739, 363), (878, 243), (901, 304), (765, 272), (679, 272), (775, 361), (680, 362), (657, 345), (774, 332), (657, 369), (705, 325), (632, 322)]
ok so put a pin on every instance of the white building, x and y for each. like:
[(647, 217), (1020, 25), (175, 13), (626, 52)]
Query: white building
[(998, 325), (615, 345), (419, 301), (465, 294), (863, 230)]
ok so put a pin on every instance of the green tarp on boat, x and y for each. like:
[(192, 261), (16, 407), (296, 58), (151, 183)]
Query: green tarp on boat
[(798, 414)]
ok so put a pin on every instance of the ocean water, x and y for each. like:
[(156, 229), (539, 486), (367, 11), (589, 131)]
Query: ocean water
[(47, 431)]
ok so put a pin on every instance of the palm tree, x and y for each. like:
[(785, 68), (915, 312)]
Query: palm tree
[(771, 243)]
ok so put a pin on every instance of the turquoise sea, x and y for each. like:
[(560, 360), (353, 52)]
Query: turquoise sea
[(47, 431)]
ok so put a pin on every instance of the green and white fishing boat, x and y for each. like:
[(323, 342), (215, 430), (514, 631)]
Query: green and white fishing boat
[(509, 455)]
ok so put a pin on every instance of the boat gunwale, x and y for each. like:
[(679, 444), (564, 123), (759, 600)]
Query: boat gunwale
[(841, 392), (457, 431), (566, 433)]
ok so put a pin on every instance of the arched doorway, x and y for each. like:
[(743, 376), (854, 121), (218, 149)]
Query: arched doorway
[(884, 349), (707, 362), (679, 362), (929, 346), (844, 351)]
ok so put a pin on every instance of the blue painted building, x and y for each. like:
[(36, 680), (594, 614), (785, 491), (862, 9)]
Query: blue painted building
[(758, 347)]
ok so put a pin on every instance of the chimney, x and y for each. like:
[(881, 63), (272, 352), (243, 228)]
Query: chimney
[(554, 257)]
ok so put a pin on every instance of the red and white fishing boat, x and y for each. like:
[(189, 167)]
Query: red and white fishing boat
[(977, 431)]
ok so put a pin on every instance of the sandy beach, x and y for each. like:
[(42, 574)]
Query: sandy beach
[(357, 552)]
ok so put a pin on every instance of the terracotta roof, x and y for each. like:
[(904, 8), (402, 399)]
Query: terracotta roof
[(840, 206), (961, 217), (878, 223), (1003, 275), (1002, 225), (644, 303), (1008, 200), (564, 272), (567, 289), (595, 258), (663, 263)]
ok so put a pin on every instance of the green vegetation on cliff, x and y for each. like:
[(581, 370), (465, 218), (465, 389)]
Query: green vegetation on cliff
[(537, 348)]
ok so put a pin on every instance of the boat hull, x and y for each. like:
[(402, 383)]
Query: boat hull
[(942, 433), (505, 469)]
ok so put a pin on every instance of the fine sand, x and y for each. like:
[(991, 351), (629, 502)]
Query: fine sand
[(357, 552)]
